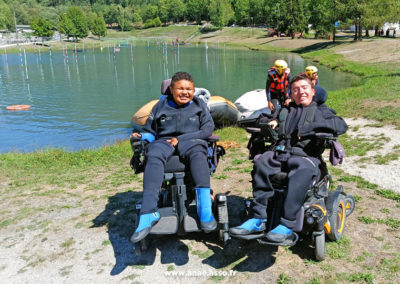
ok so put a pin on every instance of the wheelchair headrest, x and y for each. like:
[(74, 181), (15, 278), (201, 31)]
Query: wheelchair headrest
[(320, 95), (165, 87)]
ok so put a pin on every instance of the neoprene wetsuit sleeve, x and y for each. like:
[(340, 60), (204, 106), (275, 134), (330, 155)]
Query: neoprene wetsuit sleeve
[(151, 126), (267, 88), (206, 125)]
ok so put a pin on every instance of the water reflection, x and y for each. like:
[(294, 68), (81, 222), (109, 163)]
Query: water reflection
[(88, 100)]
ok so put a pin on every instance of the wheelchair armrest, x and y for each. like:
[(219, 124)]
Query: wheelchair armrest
[(213, 138), (267, 131), (135, 139), (324, 135), (253, 130)]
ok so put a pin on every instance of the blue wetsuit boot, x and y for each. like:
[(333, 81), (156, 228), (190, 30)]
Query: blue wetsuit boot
[(280, 234), (204, 210), (251, 226), (146, 222)]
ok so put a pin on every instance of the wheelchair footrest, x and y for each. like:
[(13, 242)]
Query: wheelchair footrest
[(248, 237), (287, 243), (191, 222), (168, 223)]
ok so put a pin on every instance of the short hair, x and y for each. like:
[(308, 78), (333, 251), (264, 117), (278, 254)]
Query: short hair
[(181, 76), (299, 78)]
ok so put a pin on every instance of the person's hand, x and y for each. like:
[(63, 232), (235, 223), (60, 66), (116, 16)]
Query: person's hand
[(286, 103), (173, 141), (271, 106), (136, 135), (273, 124)]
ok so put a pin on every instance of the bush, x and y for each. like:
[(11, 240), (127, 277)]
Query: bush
[(149, 23), (157, 22)]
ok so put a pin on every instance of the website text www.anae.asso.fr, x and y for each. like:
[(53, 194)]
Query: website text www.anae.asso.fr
[(200, 273)]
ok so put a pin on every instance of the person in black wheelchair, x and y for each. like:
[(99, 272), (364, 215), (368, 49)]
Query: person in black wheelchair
[(292, 162), (178, 125)]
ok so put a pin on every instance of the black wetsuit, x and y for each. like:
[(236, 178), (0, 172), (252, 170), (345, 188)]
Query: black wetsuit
[(190, 124), (297, 157)]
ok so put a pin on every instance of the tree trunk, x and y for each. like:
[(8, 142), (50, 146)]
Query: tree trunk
[(334, 34), (367, 32), (359, 31), (376, 31), (356, 30)]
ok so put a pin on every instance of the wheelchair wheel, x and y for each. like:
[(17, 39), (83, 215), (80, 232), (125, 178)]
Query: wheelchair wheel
[(350, 204), (319, 241), (337, 220)]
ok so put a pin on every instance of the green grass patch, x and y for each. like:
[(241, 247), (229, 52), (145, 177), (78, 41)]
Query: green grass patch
[(391, 222), (284, 279), (203, 254), (389, 194), (236, 134), (339, 249), (358, 277), (61, 168)]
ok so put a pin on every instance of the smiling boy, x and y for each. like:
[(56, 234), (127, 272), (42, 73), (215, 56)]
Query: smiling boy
[(179, 124)]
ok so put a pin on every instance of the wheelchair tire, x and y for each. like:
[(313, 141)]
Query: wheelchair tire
[(319, 242), (350, 204), (337, 220)]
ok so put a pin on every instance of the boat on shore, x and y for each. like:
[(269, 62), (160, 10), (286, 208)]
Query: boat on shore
[(251, 105), (223, 111)]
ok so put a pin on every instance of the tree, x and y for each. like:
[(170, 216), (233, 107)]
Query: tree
[(322, 16), (220, 13), (111, 14), (163, 11), (198, 10), (176, 10), (42, 28), (124, 18), (66, 26), (149, 12), (292, 18), (73, 23), (242, 11), (99, 26), (6, 17), (256, 11)]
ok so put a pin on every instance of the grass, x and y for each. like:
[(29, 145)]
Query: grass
[(391, 222), (368, 93), (339, 249)]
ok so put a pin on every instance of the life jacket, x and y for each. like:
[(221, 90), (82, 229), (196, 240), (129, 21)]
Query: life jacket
[(279, 83)]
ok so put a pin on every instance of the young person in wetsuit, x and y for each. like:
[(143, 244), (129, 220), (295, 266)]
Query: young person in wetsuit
[(178, 124), (297, 153)]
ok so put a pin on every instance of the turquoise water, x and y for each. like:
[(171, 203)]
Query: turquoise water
[(86, 98)]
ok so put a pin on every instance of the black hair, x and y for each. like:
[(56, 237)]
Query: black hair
[(181, 76)]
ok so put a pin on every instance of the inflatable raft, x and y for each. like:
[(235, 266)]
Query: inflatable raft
[(223, 112), (251, 105)]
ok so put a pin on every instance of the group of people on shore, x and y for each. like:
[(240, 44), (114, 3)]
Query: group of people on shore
[(180, 123)]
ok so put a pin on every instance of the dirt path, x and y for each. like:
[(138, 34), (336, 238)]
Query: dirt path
[(81, 235)]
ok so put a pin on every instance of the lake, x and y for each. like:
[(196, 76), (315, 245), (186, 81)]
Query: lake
[(85, 98)]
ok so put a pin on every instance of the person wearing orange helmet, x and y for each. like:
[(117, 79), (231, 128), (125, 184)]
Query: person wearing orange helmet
[(277, 85)]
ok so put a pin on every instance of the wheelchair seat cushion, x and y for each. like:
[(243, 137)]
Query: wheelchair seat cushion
[(174, 164)]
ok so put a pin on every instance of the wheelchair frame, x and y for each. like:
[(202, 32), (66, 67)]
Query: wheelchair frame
[(177, 205), (323, 213)]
